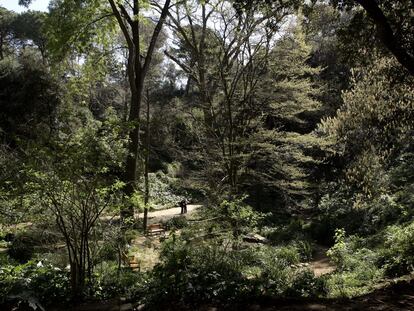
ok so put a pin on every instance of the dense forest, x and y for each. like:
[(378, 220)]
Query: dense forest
[(207, 155)]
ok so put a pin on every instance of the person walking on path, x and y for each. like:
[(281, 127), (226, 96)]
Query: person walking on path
[(183, 205)]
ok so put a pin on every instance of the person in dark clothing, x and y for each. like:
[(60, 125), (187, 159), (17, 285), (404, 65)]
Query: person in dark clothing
[(183, 205)]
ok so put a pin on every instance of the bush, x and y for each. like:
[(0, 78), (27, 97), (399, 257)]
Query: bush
[(178, 222), (293, 230), (280, 277), (241, 217), (34, 282), (206, 272), (21, 248), (305, 249), (111, 282), (131, 234), (398, 251), (357, 267), (305, 284), (220, 271), (276, 269), (358, 281)]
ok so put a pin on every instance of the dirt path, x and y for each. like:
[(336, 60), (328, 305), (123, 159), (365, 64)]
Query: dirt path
[(321, 264), (160, 215), (168, 213)]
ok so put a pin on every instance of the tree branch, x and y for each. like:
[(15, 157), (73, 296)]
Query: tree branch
[(387, 35), (155, 35), (122, 25)]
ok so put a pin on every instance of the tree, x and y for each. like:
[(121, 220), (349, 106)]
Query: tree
[(323, 26), (80, 26), (394, 26), (282, 157), (138, 67), (223, 66), (374, 124), (69, 178), (393, 21), (6, 20), (28, 26), (370, 181), (29, 98)]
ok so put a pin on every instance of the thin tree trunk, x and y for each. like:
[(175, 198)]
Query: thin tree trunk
[(147, 153), (1, 47)]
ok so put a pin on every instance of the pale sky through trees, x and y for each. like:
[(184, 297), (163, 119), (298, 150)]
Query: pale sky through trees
[(13, 5)]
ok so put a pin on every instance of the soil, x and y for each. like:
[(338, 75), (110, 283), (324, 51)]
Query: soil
[(166, 214), (160, 215), (321, 264)]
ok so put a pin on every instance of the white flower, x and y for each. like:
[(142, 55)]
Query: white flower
[(39, 264)]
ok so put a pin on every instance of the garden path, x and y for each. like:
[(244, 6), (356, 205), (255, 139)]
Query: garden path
[(320, 263)]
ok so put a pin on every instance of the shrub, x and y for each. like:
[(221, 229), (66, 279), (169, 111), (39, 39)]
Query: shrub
[(357, 281), (220, 271), (241, 217), (206, 272), (293, 230), (305, 249), (276, 270), (34, 282), (279, 275), (21, 248), (111, 282), (131, 234), (107, 252), (398, 251), (357, 267), (305, 284), (178, 222)]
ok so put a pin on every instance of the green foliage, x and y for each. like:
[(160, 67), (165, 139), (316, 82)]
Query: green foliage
[(165, 190), (373, 125), (71, 183), (30, 97), (178, 222), (283, 146), (218, 270), (197, 274), (130, 235), (239, 215), (245, 123), (286, 231), (397, 254), (357, 268), (110, 282), (78, 26), (372, 138), (33, 281)]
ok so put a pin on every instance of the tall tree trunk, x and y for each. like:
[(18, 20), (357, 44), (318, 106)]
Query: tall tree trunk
[(137, 68), (146, 170)]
